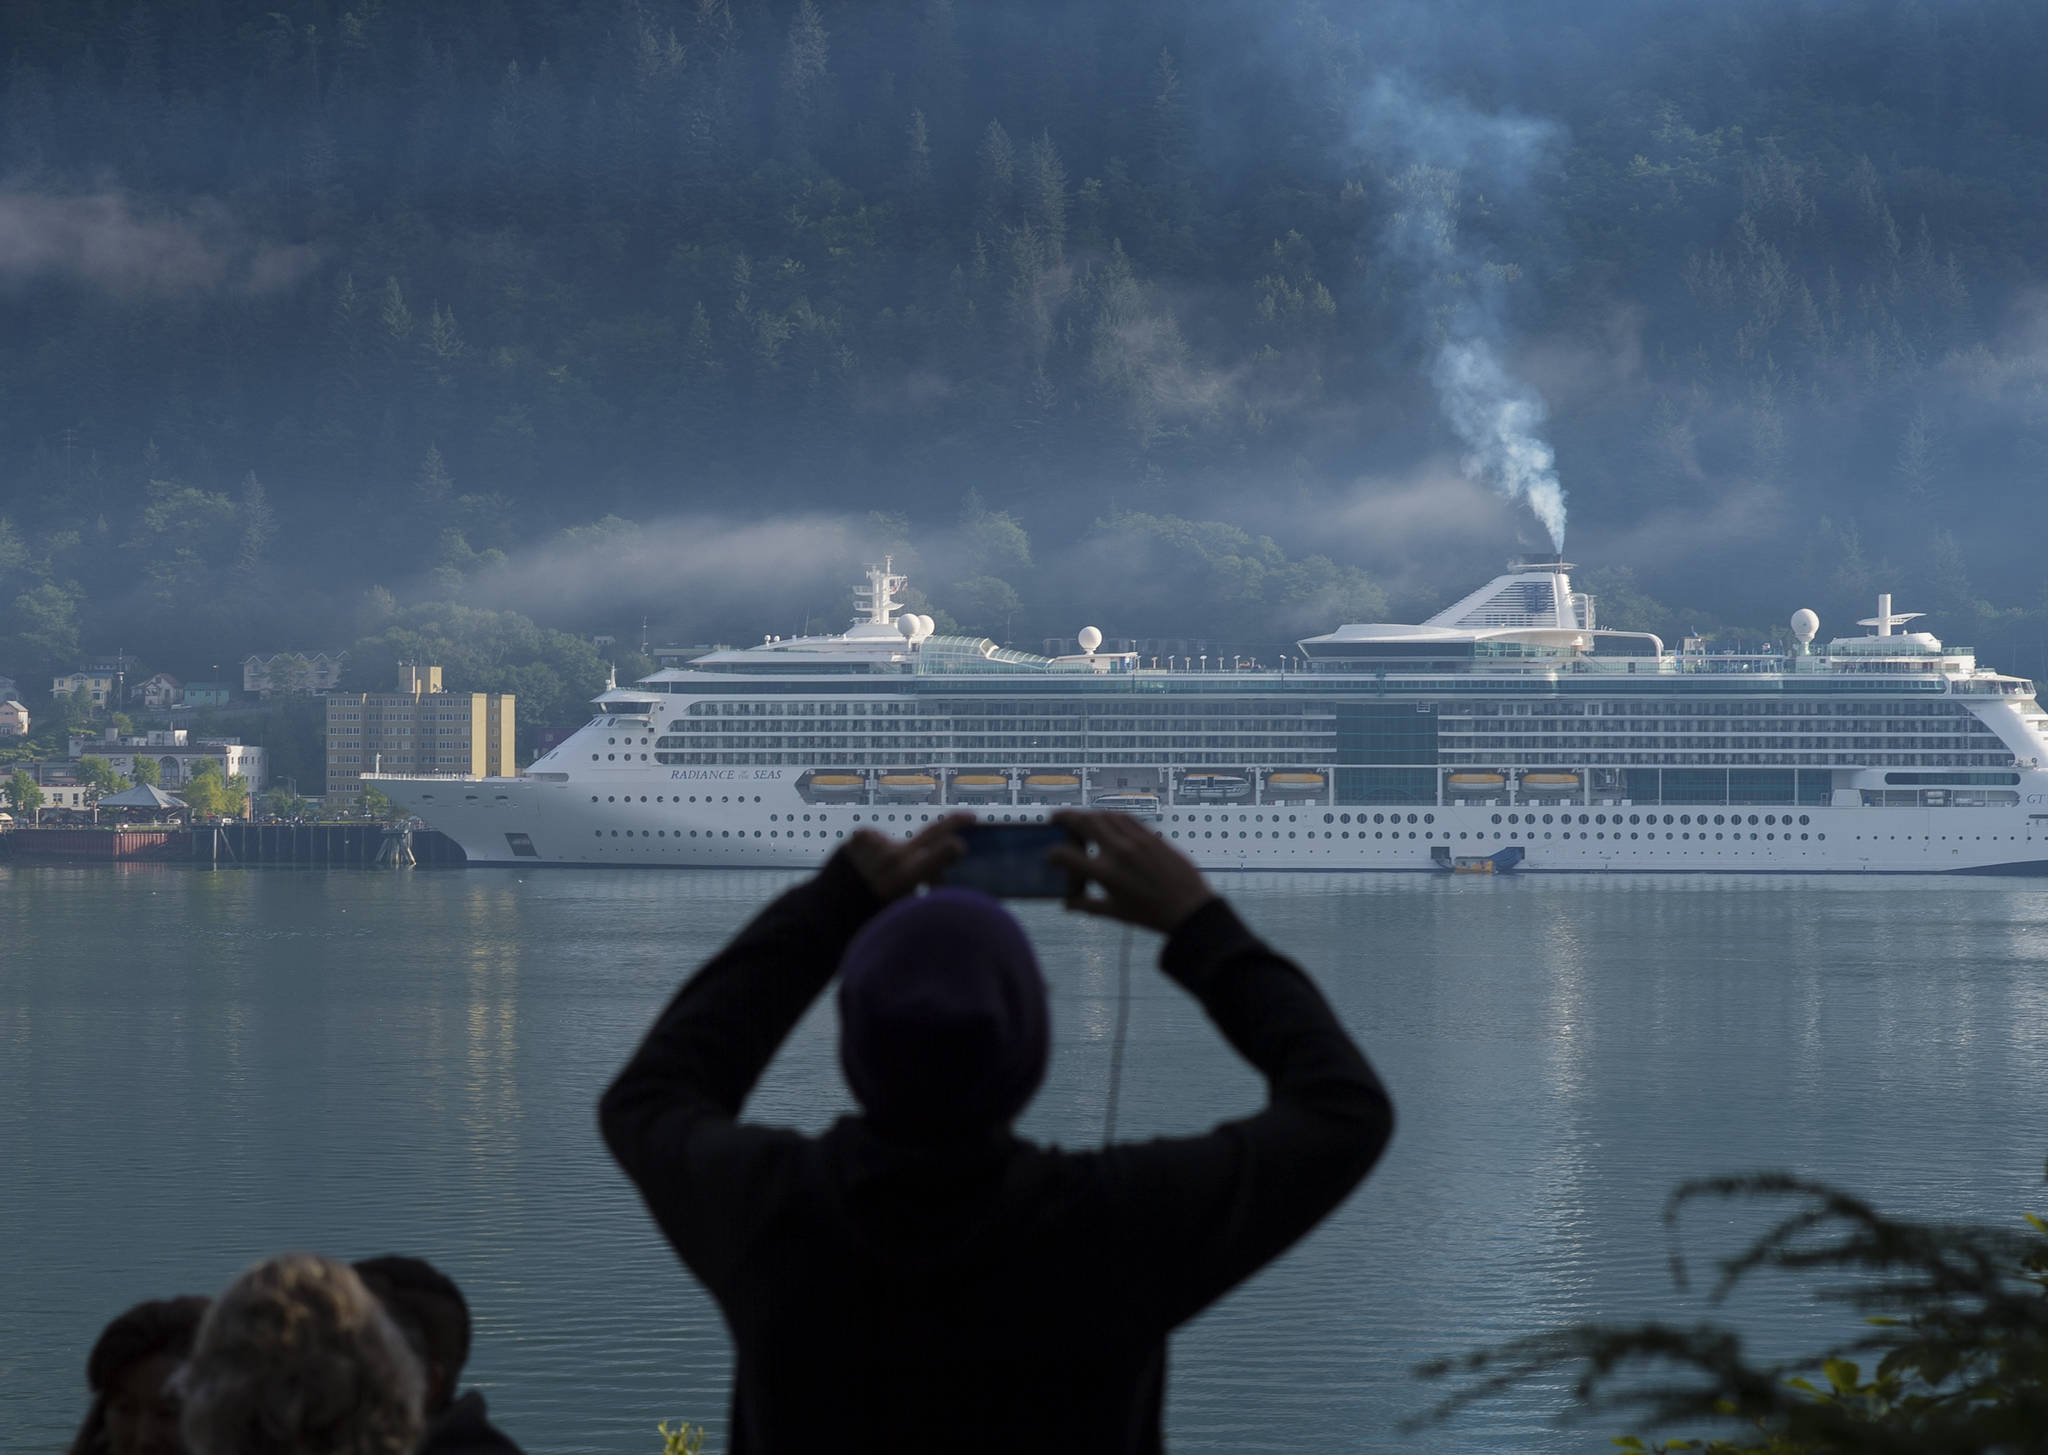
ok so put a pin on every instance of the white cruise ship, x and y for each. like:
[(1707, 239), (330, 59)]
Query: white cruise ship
[(1506, 729)]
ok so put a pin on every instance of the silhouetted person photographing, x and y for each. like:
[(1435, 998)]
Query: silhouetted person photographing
[(918, 1278)]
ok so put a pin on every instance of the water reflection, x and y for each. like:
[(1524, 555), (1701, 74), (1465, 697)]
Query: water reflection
[(199, 1067)]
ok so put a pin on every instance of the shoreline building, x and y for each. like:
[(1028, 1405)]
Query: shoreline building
[(13, 719), (419, 731), (175, 752)]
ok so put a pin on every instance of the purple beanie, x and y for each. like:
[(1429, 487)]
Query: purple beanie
[(942, 1018)]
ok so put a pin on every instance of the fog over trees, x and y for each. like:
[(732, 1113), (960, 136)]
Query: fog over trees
[(332, 322)]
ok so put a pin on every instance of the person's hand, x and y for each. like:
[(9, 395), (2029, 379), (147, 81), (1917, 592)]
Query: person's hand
[(895, 867), (1145, 880)]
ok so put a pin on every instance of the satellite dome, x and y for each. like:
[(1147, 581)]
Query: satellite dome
[(907, 624), (925, 627), (1804, 624), (1089, 639)]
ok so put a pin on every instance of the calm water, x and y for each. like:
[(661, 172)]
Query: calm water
[(197, 1068)]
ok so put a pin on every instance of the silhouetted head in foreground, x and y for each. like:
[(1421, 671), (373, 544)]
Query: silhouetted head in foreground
[(432, 1314), (942, 1017), (134, 1411), (297, 1355)]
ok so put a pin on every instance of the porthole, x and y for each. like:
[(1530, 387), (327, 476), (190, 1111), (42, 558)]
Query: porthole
[(1496, 818), (1752, 823), (1329, 818), (1802, 820), (613, 741), (615, 833), (611, 798), (600, 833), (1426, 818), (1635, 818), (1411, 819), (1546, 819)]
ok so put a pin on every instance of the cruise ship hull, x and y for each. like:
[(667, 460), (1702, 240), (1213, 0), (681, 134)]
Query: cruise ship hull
[(760, 821)]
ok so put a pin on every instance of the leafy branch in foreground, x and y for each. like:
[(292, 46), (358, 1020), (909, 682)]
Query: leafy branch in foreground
[(1956, 1336), (684, 1439)]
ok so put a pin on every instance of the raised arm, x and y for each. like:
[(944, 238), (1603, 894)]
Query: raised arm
[(671, 1116), (1197, 1215)]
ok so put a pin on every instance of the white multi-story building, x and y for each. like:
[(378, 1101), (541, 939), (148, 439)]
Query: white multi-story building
[(175, 753)]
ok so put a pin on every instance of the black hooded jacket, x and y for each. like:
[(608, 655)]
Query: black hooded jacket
[(987, 1295)]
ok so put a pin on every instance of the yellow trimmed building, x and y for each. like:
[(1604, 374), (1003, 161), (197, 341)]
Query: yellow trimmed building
[(419, 729)]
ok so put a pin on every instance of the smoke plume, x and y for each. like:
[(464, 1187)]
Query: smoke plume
[(1437, 151)]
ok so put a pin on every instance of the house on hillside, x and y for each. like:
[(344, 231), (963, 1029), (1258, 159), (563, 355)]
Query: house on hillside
[(102, 680), (13, 719), (158, 692), (318, 673), (207, 694)]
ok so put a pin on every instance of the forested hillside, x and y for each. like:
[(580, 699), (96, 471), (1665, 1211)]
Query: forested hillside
[(551, 307)]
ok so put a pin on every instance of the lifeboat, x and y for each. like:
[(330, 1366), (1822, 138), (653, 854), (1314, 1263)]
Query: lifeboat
[(1294, 782), (836, 785), (1215, 785), (980, 785), (907, 785), (1138, 803), (1477, 781), (1550, 780), (1045, 785)]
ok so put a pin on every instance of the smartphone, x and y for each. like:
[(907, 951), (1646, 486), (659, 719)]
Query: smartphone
[(1007, 860)]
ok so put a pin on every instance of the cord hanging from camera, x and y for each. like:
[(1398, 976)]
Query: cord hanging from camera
[(1116, 1039)]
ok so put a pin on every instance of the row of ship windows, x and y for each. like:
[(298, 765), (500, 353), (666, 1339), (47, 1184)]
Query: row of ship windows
[(1478, 758), (681, 734), (1150, 712), (1513, 835)]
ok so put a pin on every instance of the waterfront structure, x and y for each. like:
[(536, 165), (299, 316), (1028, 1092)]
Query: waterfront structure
[(13, 719), (159, 692), (419, 729), (319, 673), (61, 787), (176, 754), (1506, 720), (145, 801)]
